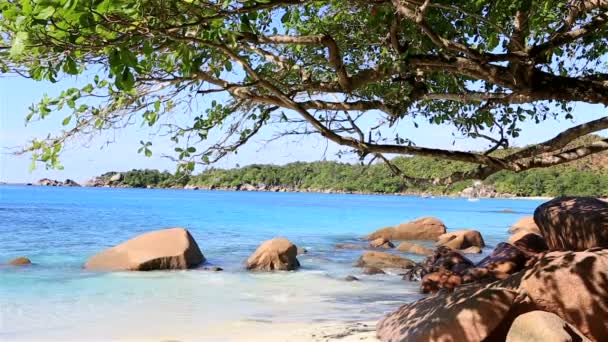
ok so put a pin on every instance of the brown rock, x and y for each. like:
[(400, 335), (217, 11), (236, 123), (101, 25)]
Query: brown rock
[(373, 271), (381, 243), (542, 326), (442, 279), (165, 249), (21, 261), (278, 254), (525, 224), (213, 268), (505, 259), (302, 250), (468, 315), (461, 239), (471, 250), (572, 285), (383, 260), (573, 223), (424, 228), (413, 248)]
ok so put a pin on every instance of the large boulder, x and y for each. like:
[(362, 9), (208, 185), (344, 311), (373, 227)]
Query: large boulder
[(277, 254), (166, 249), (413, 248), (572, 285), (424, 228), (467, 315), (381, 243), (573, 223), (383, 260), (527, 224), (538, 325), (461, 239)]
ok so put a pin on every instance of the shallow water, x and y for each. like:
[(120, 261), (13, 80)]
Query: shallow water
[(59, 228)]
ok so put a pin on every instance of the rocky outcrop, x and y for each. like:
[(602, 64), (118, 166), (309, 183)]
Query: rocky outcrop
[(525, 224), (442, 279), (461, 239), (530, 244), (442, 259), (573, 223), (572, 285), (538, 325), (424, 228), (96, 182), (166, 249), (413, 248), (20, 261), (468, 315), (381, 243), (480, 190), (53, 182), (278, 254), (383, 260), (117, 177), (506, 259)]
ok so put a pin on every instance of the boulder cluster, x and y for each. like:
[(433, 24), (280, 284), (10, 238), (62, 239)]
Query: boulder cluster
[(53, 182), (549, 282)]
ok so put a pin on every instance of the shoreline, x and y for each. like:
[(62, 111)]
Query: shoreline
[(423, 195)]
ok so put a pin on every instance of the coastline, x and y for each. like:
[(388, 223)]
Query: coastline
[(249, 188)]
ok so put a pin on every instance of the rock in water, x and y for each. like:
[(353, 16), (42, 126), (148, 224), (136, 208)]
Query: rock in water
[(166, 249), (467, 315), (573, 223), (21, 261), (542, 326), (413, 248), (278, 254), (373, 271), (381, 243), (383, 260), (461, 239), (525, 224), (424, 228)]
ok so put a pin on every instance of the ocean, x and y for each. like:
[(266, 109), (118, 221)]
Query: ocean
[(59, 228)]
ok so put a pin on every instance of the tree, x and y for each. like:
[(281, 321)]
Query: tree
[(346, 70)]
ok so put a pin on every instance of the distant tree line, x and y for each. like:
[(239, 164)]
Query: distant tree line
[(587, 177)]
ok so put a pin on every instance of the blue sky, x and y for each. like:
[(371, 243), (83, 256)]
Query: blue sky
[(85, 159)]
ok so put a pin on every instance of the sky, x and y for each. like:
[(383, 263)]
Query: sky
[(83, 160)]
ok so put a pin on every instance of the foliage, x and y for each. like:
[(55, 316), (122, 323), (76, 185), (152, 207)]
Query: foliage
[(360, 73), (586, 178)]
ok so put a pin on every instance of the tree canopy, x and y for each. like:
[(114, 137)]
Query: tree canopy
[(359, 73)]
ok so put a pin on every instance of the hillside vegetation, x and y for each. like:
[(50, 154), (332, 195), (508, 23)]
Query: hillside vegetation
[(588, 176)]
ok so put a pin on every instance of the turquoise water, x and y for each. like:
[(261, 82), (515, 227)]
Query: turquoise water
[(59, 228)]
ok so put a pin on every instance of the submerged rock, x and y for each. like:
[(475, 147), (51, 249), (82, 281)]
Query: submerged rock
[(302, 250), (213, 268), (349, 246), (278, 254), (573, 223), (413, 248), (381, 243), (424, 228), (373, 271), (383, 260), (469, 315), (166, 249), (351, 278), (20, 261)]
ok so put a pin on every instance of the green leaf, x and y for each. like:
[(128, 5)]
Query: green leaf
[(66, 121), (18, 45), (46, 13)]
